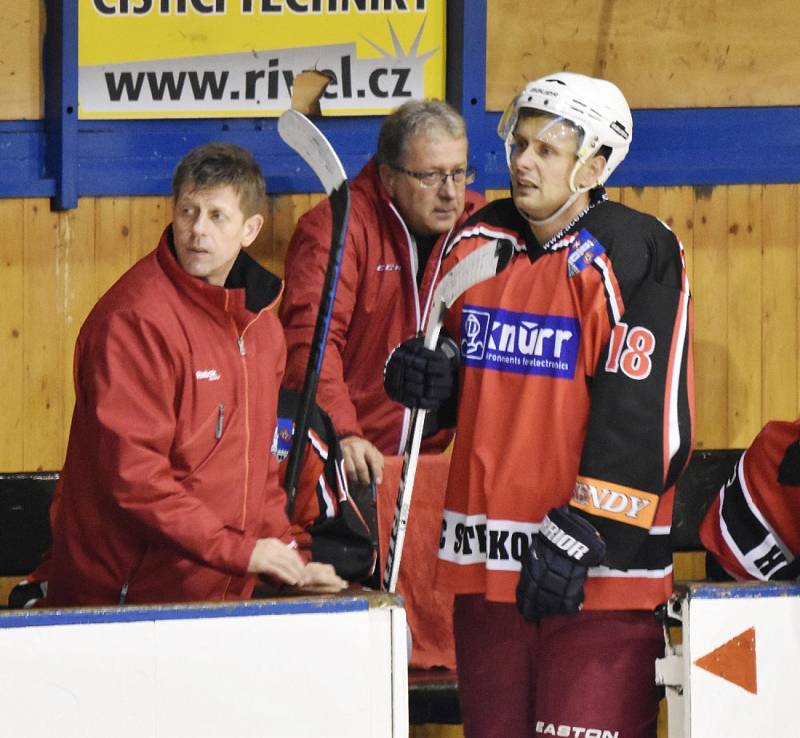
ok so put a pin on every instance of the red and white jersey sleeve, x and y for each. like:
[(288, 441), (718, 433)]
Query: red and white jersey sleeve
[(753, 525), (322, 485)]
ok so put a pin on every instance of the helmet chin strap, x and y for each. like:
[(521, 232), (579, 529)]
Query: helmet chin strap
[(568, 203), (560, 211)]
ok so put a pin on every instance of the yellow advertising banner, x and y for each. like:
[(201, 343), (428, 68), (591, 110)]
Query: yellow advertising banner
[(224, 58)]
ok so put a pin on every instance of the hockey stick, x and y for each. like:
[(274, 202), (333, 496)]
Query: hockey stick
[(307, 140), (481, 264)]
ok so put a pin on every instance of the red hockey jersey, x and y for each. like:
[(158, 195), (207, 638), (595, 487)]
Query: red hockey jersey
[(575, 387), (753, 526)]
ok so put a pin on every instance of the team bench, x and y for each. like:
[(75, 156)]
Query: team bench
[(433, 694)]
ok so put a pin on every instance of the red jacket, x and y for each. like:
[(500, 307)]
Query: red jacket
[(168, 479), (377, 306)]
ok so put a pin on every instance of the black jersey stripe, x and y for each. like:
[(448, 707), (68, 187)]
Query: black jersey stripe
[(748, 535), (614, 305)]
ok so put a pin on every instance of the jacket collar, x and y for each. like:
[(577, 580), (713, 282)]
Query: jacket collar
[(249, 287), (369, 179)]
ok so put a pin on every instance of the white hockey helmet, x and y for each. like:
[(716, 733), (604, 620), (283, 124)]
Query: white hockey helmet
[(596, 107)]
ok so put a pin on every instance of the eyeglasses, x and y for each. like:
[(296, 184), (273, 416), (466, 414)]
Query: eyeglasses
[(437, 179)]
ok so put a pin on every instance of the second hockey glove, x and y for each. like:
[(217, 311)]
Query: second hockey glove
[(555, 566), (422, 378)]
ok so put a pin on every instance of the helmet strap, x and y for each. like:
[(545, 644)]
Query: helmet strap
[(558, 213), (576, 192)]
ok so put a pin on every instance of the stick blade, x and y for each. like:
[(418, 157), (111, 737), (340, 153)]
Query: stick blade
[(483, 263), (306, 139)]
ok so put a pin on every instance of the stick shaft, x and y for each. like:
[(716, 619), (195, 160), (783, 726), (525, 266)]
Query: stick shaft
[(340, 208)]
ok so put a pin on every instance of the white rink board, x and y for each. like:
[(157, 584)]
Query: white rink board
[(297, 668), (718, 614)]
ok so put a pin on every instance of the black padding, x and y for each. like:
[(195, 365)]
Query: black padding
[(24, 520), (699, 484), (789, 469)]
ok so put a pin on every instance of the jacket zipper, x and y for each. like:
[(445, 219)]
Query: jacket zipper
[(243, 354), (220, 421)]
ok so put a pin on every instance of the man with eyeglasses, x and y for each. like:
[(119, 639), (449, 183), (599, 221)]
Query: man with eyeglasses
[(406, 202), (574, 420)]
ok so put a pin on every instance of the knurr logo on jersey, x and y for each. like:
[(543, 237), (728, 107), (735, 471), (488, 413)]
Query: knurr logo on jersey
[(616, 502), (522, 343)]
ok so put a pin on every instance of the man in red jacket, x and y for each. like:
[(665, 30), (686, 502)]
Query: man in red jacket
[(405, 204), (169, 492)]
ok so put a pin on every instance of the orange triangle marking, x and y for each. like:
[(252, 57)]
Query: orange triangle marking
[(734, 660)]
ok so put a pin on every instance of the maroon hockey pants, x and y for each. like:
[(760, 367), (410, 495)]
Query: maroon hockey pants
[(589, 675)]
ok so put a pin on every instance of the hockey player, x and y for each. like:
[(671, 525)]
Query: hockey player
[(752, 529), (573, 422)]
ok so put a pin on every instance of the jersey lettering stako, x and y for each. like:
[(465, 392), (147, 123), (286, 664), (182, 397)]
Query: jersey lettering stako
[(576, 387), (753, 526)]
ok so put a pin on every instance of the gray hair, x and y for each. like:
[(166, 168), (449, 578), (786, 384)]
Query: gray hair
[(416, 118)]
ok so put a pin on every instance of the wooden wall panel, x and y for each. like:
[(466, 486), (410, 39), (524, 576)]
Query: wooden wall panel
[(113, 240), (779, 317), (149, 216), (676, 209), (80, 293), (43, 301), (741, 250), (286, 210), (709, 280), (688, 53), (744, 339), (21, 33), (263, 248), (640, 198), (12, 329)]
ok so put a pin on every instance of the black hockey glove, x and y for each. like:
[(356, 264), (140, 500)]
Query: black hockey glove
[(419, 377), (554, 568), (26, 594)]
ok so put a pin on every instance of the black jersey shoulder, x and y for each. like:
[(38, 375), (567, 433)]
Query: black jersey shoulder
[(638, 244), (498, 218), (501, 212)]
